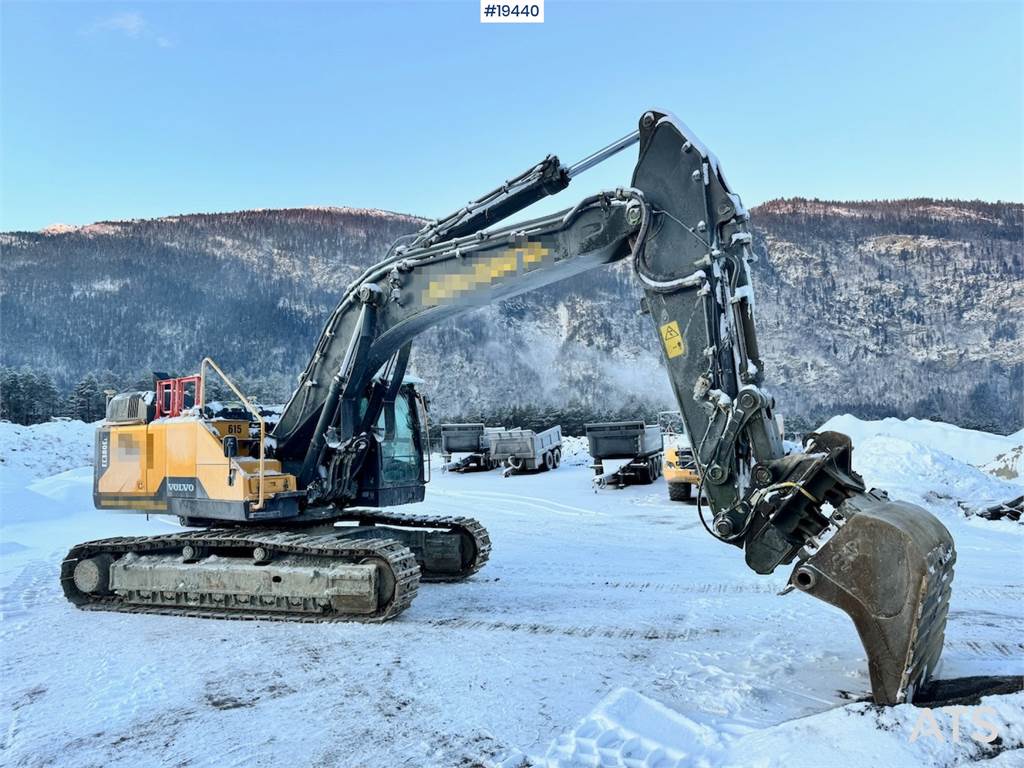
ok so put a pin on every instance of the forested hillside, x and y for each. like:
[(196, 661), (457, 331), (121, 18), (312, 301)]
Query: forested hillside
[(906, 308)]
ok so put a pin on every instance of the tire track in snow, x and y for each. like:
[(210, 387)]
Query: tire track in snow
[(536, 628), (1008, 593), (513, 498), (984, 648), (719, 588), (989, 649), (37, 583)]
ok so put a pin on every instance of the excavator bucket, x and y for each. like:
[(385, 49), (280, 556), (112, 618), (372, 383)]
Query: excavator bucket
[(889, 566)]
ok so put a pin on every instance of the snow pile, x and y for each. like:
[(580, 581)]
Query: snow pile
[(24, 499), (42, 467), (41, 450), (16, 498), (630, 730), (934, 464), (576, 452), (966, 445), (916, 472)]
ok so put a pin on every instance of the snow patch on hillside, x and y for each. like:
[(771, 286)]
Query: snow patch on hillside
[(1009, 465), (58, 229), (945, 210)]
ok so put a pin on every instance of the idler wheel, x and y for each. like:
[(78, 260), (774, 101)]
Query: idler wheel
[(92, 575)]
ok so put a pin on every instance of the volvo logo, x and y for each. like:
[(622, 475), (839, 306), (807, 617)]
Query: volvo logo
[(182, 487)]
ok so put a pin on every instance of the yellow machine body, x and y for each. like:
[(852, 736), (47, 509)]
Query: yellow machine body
[(679, 466), (167, 465)]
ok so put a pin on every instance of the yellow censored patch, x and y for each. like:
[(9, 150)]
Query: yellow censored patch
[(672, 339), (127, 502), (484, 273)]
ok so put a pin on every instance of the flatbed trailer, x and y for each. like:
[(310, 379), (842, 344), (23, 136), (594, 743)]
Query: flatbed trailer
[(524, 450), (642, 444)]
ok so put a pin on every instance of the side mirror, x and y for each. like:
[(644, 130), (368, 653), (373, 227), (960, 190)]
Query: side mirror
[(230, 446)]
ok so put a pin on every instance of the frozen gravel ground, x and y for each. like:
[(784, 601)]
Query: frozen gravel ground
[(586, 594)]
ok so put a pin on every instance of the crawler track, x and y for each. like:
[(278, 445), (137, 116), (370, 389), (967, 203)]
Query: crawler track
[(466, 526), (330, 547)]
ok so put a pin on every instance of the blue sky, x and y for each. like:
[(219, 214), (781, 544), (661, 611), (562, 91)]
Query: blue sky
[(147, 109)]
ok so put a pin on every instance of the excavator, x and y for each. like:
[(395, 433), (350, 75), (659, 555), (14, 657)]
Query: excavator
[(295, 521)]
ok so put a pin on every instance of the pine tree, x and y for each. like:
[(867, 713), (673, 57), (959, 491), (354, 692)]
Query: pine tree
[(88, 401), (11, 398), (27, 397), (141, 383), (48, 397), (30, 398)]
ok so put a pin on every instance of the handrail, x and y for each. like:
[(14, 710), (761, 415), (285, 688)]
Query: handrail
[(422, 403), (245, 402)]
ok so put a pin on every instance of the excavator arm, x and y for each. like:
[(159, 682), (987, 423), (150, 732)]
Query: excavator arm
[(416, 288), (886, 564)]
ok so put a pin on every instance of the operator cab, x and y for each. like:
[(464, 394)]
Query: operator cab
[(397, 473)]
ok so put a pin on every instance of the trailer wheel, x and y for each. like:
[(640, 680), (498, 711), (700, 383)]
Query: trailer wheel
[(558, 457), (680, 491), (549, 461)]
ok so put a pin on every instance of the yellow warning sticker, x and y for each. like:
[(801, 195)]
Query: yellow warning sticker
[(672, 339)]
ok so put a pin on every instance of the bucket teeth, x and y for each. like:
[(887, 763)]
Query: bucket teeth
[(889, 566)]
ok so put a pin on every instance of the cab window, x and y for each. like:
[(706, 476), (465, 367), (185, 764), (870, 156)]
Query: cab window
[(401, 462)]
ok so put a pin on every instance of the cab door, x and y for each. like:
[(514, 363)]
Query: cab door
[(401, 442)]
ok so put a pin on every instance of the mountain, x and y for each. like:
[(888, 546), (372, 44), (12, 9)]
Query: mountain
[(896, 308), (888, 308)]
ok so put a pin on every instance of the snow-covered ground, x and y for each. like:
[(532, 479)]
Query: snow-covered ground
[(608, 629), (46, 449)]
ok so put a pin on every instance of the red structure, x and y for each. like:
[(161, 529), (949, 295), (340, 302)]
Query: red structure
[(172, 395)]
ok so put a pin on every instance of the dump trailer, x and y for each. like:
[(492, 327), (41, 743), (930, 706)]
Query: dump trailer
[(640, 443), (472, 440), (297, 521), (523, 450)]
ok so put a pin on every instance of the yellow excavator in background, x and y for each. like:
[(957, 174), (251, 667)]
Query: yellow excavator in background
[(679, 467), (292, 519)]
